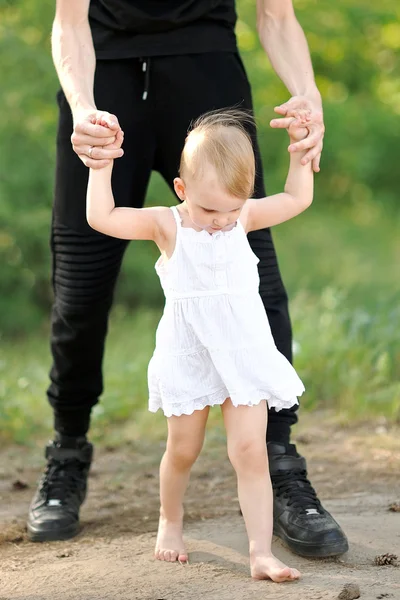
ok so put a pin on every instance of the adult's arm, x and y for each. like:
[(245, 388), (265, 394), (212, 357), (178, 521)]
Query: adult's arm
[(284, 41), (75, 62)]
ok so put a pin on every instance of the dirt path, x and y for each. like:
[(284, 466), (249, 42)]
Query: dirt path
[(356, 472)]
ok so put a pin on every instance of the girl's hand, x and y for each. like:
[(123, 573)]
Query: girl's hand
[(94, 138), (298, 128), (118, 140)]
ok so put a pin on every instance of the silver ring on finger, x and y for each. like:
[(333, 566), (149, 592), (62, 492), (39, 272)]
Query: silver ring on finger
[(90, 151)]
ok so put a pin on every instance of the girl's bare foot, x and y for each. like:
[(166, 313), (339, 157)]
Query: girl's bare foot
[(169, 545), (269, 567)]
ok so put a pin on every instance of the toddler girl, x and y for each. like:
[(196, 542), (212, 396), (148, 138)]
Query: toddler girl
[(213, 343)]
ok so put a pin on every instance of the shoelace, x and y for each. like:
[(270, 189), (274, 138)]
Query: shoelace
[(295, 486), (62, 478)]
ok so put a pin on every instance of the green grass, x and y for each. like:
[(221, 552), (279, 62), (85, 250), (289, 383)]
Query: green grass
[(342, 273)]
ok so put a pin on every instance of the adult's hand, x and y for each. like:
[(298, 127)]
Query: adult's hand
[(90, 140), (314, 122)]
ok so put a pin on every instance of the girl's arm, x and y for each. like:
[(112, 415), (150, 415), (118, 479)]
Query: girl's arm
[(298, 194), (124, 223)]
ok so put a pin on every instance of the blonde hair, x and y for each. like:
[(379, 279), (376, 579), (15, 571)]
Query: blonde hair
[(219, 138)]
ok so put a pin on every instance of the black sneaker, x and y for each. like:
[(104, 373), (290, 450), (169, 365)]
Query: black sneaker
[(54, 511), (299, 517)]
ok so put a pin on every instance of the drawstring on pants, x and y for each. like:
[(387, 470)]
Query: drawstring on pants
[(146, 71)]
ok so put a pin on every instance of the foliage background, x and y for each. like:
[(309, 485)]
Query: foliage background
[(344, 286)]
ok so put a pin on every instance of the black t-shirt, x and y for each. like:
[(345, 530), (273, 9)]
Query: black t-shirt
[(142, 28)]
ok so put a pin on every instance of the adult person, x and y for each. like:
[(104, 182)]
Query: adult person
[(154, 67)]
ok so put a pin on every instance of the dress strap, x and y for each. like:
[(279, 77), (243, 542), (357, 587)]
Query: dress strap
[(177, 216)]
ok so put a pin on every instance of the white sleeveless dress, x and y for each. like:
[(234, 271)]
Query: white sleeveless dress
[(214, 340)]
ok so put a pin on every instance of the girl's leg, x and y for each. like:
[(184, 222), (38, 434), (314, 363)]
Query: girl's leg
[(246, 428), (185, 440)]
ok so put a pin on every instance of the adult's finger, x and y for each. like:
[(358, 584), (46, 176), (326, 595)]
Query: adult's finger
[(295, 103), (309, 142), (316, 162), (96, 153), (80, 139), (312, 154), (281, 123), (281, 109), (93, 130), (94, 164)]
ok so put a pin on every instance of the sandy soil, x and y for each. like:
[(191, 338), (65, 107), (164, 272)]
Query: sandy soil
[(355, 470)]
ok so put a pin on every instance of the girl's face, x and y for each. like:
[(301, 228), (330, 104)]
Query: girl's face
[(209, 206)]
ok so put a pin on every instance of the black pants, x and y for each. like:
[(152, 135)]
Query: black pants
[(86, 263)]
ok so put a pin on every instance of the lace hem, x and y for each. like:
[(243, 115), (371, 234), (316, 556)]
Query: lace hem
[(276, 400)]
